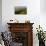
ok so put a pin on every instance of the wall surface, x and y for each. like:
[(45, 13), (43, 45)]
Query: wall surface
[(34, 14), (0, 15), (33, 11), (43, 14)]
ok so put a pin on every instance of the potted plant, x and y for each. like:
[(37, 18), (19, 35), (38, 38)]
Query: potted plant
[(41, 36)]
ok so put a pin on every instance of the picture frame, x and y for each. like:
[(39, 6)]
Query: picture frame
[(20, 10)]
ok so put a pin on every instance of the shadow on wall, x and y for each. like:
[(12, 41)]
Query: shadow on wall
[(43, 6), (0, 15)]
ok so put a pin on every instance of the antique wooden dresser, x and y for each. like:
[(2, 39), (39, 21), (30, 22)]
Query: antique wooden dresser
[(22, 33)]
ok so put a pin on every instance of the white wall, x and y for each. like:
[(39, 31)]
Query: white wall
[(34, 14), (33, 9), (0, 15), (43, 6), (43, 14)]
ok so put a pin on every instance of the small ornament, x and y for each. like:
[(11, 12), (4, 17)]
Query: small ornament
[(27, 21), (11, 20)]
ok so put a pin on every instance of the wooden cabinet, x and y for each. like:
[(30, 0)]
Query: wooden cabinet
[(22, 33)]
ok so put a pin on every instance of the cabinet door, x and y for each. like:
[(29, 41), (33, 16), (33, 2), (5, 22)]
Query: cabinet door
[(20, 38), (23, 38)]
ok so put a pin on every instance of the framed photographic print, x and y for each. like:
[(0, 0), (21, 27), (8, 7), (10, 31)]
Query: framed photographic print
[(20, 10)]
